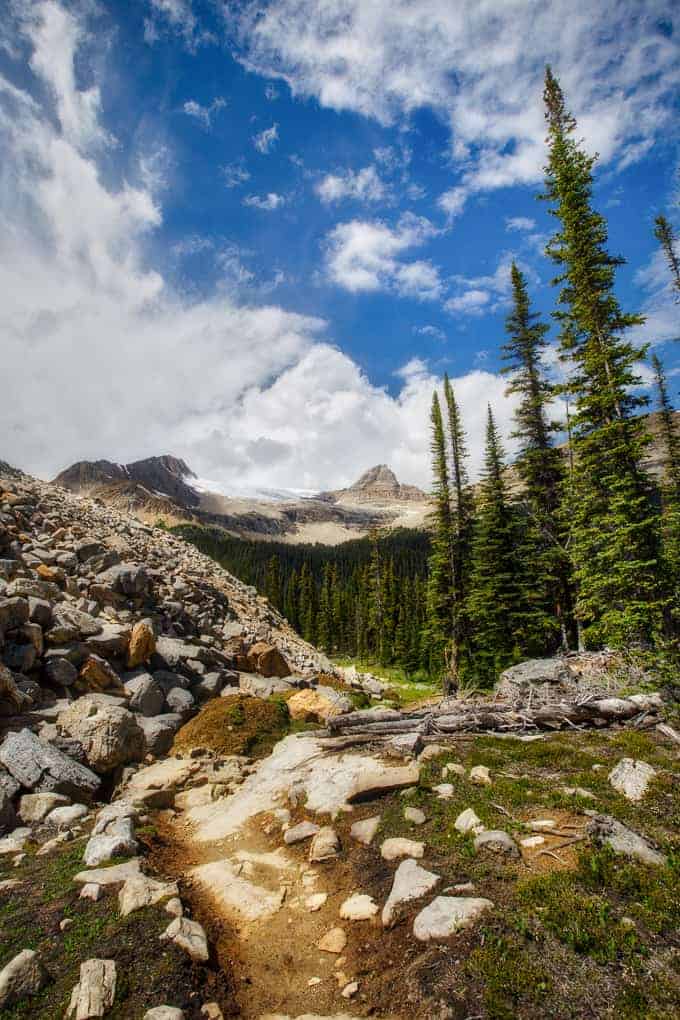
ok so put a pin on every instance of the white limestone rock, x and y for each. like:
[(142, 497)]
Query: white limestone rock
[(447, 915), (94, 994), (410, 883), (631, 778), (396, 847)]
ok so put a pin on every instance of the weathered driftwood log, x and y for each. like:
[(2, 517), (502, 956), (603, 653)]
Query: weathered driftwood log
[(465, 716)]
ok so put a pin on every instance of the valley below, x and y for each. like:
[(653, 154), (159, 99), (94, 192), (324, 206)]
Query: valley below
[(204, 817)]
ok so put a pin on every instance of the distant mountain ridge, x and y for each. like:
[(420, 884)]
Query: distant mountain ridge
[(166, 487)]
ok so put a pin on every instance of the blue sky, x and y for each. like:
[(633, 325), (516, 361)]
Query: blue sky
[(256, 237)]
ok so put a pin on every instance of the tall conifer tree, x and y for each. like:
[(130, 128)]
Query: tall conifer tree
[(493, 594), (439, 625), (615, 527), (665, 235), (462, 515), (546, 589), (670, 499)]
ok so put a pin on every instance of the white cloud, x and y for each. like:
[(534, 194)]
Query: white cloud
[(361, 185), (204, 114), (519, 223), (479, 294), (265, 141), (366, 256), (660, 307), (433, 331), (271, 93), (177, 16), (235, 174), (267, 203), (107, 360), (479, 65)]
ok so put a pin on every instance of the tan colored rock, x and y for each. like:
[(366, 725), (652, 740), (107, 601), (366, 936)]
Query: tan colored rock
[(267, 660), (325, 845), (142, 644), (98, 675), (318, 703), (334, 941), (365, 830), (396, 847)]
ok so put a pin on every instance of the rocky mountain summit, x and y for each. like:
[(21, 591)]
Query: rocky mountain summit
[(164, 476), (378, 485)]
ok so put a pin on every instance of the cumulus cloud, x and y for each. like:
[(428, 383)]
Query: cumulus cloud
[(361, 185), (265, 141), (266, 203), (204, 114), (479, 65), (106, 359), (364, 255)]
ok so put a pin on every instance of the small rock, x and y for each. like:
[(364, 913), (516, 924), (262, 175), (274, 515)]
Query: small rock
[(34, 807), (603, 829), (64, 817), (65, 924), (189, 936), (529, 842), (142, 643), (631, 778), (453, 769), (577, 791), (410, 883), (349, 990), (364, 831), (143, 891), (415, 815), (358, 907), (91, 891), (212, 1011), (480, 775), (313, 981), (431, 751), (446, 915), (393, 849), (444, 791), (94, 994), (325, 845), (24, 975), (164, 1013), (467, 821), (334, 941), (300, 832), (174, 907), (316, 901), (496, 841), (540, 824)]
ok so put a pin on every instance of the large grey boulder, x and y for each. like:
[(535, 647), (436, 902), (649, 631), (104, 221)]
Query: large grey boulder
[(129, 579), (24, 975), (70, 624), (41, 767), (146, 695), (159, 732), (110, 735), (180, 702), (111, 642), (536, 672)]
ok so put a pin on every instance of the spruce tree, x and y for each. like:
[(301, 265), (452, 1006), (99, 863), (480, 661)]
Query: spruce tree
[(544, 614), (614, 537), (493, 593), (665, 235), (670, 499), (439, 624), (462, 515)]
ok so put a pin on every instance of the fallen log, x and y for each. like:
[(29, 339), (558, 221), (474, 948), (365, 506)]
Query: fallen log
[(466, 716)]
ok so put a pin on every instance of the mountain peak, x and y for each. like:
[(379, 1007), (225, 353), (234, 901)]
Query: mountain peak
[(380, 484)]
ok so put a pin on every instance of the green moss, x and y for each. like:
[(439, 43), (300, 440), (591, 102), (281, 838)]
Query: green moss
[(510, 973), (586, 923)]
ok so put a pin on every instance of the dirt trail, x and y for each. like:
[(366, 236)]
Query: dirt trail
[(255, 894)]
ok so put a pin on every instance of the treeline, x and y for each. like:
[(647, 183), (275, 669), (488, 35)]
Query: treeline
[(589, 555), (365, 598)]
